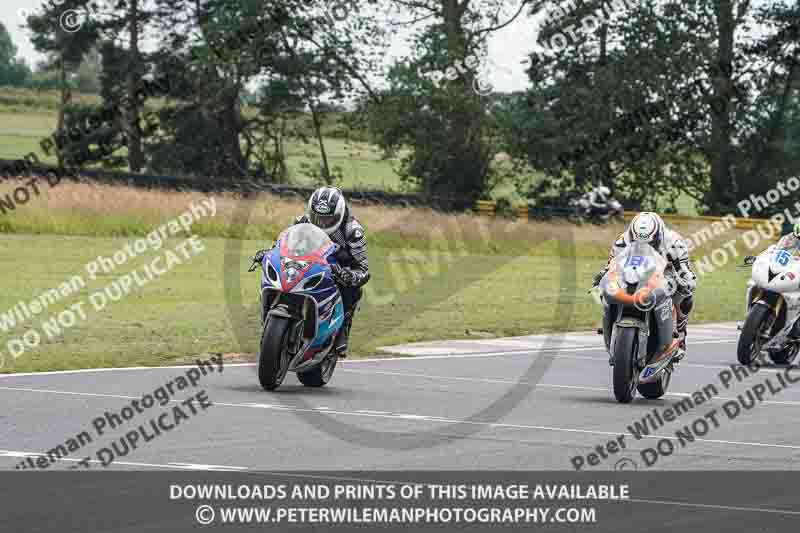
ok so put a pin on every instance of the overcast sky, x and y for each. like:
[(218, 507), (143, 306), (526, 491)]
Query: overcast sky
[(507, 48)]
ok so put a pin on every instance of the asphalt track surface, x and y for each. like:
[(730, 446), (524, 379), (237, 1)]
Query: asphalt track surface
[(386, 404)]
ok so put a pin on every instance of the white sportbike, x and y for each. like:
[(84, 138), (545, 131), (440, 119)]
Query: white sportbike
[(773, 307)]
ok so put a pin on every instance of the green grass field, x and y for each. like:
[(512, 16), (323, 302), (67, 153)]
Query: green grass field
[(421, 288), (360, 164), (433, 276)]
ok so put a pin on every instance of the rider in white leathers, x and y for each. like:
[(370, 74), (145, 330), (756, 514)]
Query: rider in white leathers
[(650, 228)]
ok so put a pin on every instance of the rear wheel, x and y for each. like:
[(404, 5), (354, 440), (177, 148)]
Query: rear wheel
[(624, 374), (758, 322), (320, 375), (273, 355)]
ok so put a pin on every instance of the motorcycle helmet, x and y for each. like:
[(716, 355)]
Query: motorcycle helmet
[(647, 227), (326, 209)]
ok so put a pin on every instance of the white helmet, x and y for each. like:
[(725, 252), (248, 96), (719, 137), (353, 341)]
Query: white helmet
[(647, 227), (326, 209)]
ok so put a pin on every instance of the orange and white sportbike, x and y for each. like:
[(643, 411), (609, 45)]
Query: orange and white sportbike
[(773, 307), (639, 322)]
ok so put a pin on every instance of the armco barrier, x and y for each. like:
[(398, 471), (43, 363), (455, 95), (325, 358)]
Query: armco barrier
[(489, 208), (249, 186), (741, 223), (486, 208)]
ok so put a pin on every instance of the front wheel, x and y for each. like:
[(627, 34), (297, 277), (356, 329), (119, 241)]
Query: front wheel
[(755, 326), (273, 354), (320, 375), (626, 347)]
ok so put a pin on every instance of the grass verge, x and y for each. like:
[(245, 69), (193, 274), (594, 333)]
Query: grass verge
[(433, 277)]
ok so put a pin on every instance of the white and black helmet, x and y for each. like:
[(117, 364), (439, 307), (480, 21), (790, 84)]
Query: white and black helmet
[(647, 227), (326, 209)]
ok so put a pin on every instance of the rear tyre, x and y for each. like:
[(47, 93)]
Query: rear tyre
[(657, 389), (273, 354), (750, 341), (624, 374), (320, 375)]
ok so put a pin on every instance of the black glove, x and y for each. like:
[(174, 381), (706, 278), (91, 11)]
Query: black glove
[(341, 275), (687, 280), (258, 258), (597, 279)]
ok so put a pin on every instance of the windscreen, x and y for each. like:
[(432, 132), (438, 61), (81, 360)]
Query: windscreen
[(303, 239), (635, 265), (638, 263), (790, 244)]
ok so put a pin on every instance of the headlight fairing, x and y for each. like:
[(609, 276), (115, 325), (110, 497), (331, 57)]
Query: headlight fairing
[(292, 268)]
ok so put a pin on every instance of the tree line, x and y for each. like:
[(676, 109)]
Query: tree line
[(692, 98)]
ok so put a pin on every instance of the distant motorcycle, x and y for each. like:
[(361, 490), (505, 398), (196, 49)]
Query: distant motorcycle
[(301, 308), (584, 211), (638, 323), (773, 308)]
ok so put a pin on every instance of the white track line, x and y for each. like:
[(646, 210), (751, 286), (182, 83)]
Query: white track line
[(537, 385), (469, 355), (434, 418), (173, 466), (530, 351)]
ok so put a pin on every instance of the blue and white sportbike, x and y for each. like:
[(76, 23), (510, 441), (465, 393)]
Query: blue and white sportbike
[(773, 306), (301, 308)]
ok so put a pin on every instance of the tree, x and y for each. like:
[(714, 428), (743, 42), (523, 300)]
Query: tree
[(447, 124), (13, 71), (50, 36), (122, 25), (657, 101), (289, 46)]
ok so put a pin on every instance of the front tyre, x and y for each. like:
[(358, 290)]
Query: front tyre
[(755, 326), (273, 354), (626, 348), (320, 375)]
